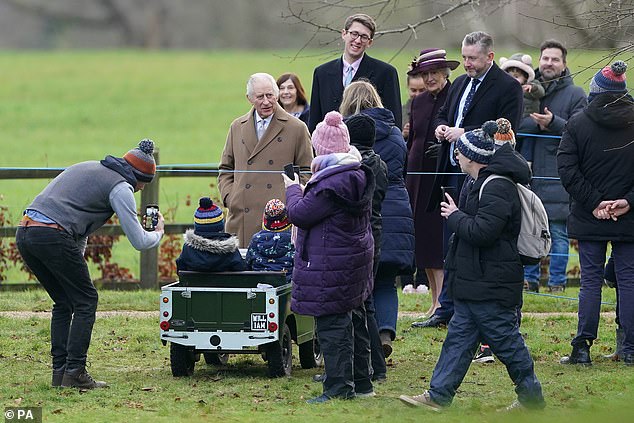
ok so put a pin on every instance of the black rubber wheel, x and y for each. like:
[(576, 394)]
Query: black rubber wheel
[(182, 360), (310, 353), (279, 355), (216, 359)]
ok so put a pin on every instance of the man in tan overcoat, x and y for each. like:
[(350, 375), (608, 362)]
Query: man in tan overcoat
[(258, 146)]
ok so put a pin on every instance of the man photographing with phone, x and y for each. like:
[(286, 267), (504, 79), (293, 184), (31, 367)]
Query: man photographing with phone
[(52, 237)]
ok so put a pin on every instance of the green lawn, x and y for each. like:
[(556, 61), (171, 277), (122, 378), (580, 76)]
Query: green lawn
[(126, 352), (58, 108)]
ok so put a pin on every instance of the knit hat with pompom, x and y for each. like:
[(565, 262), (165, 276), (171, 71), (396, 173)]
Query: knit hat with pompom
[(505, 133), (275, 217), (331, 135), (208, 218), (142, 161), (523, 62), (478, 145), (610, 79)]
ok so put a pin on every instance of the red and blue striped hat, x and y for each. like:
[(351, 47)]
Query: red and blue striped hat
[(208, 218)]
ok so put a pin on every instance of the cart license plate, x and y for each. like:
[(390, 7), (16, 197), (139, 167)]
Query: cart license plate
[(258, 321)]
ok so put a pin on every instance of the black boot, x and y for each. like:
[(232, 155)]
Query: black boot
[(58, 375), (580, 355), (81, 379), (628, 359)]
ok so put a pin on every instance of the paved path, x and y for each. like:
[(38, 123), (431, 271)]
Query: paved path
[(155, 314)]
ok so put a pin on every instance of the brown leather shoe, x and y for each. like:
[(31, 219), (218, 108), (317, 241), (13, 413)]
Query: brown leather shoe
[(81, 379)]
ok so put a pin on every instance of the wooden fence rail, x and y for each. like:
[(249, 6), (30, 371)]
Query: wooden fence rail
[(148, 266)]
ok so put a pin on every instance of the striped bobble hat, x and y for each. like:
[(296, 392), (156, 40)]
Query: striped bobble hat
[(208, 218), (610, 79), (478, 145), (142, 161), (275, 217)]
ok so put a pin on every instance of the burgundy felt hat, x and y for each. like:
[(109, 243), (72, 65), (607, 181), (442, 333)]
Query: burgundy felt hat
[(431, 59)]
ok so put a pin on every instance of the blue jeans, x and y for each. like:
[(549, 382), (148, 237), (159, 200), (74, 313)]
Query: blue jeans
[(497, 326), (59, 266), (558, 257), (592, 259), (386, 301)]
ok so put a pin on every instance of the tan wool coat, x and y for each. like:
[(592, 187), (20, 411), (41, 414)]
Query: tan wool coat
[(250, 170)]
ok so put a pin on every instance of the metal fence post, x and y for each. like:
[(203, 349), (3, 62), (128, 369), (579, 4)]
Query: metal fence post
[(149, 258)]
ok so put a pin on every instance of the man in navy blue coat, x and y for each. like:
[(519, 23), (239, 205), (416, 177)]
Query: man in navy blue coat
[(332, 77), (484, 93)]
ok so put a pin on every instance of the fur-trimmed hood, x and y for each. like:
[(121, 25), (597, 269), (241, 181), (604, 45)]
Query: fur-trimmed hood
[(220, 243)]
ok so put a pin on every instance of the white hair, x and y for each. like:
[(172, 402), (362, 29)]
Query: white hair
[(260, 76)]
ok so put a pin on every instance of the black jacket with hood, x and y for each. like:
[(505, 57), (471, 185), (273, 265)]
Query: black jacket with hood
[(482, 262), (596, 163)]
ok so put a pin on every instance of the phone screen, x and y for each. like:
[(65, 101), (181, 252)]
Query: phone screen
[(151, 217)]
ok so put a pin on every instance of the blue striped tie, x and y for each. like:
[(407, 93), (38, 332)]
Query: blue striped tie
[(467, 102)]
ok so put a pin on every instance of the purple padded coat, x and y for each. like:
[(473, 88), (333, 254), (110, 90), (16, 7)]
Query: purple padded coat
[(333, 259)]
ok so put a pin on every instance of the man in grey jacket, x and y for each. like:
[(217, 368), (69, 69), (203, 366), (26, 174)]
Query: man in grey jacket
[(52, 238), (562, 100)]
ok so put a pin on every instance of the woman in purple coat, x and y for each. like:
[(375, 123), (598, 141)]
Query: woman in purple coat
[(422, 152), (332, 275)]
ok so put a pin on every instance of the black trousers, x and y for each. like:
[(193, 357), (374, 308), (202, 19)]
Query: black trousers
[(59, 265), (345, 344)]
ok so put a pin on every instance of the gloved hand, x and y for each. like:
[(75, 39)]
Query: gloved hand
[(288, 181), (432, 151)]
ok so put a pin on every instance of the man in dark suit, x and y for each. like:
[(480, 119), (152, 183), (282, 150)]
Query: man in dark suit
[(330, 79), (484, 93)]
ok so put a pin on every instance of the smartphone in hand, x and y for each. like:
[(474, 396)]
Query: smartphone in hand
[(290, 170), (151, 217), (448, 190)]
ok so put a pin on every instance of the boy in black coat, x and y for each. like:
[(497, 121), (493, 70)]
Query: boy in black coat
[(484, 274)]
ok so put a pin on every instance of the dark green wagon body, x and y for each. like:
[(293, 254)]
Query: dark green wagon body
[(234, 313)]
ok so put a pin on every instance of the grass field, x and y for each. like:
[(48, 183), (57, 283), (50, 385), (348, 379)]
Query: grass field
[(59, 108), (126, 352)]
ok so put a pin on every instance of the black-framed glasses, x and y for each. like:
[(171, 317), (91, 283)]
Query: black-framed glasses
[(354, 35)]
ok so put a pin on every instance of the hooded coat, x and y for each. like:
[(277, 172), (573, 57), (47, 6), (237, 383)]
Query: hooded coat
[(563, 98), (397, 239), (334, 246), (483, 263), (217, 252), (596, 163), (379, 170)]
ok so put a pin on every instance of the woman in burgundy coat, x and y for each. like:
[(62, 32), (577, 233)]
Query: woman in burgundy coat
[(422, 152)]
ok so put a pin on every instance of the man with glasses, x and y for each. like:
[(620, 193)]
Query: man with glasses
[(330, 79)]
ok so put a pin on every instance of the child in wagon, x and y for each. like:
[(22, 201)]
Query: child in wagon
[(271, 248), (207, 247)]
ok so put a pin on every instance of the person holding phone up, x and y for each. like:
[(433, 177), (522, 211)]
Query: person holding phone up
[(52, 237)]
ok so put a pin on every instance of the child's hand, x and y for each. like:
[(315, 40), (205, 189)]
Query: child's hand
[(527, 88), (288, 181)]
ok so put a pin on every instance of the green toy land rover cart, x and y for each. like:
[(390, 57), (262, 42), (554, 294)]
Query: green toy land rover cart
[(223, 313)]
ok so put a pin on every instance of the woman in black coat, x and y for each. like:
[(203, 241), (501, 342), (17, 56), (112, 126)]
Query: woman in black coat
[(596, 166)]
